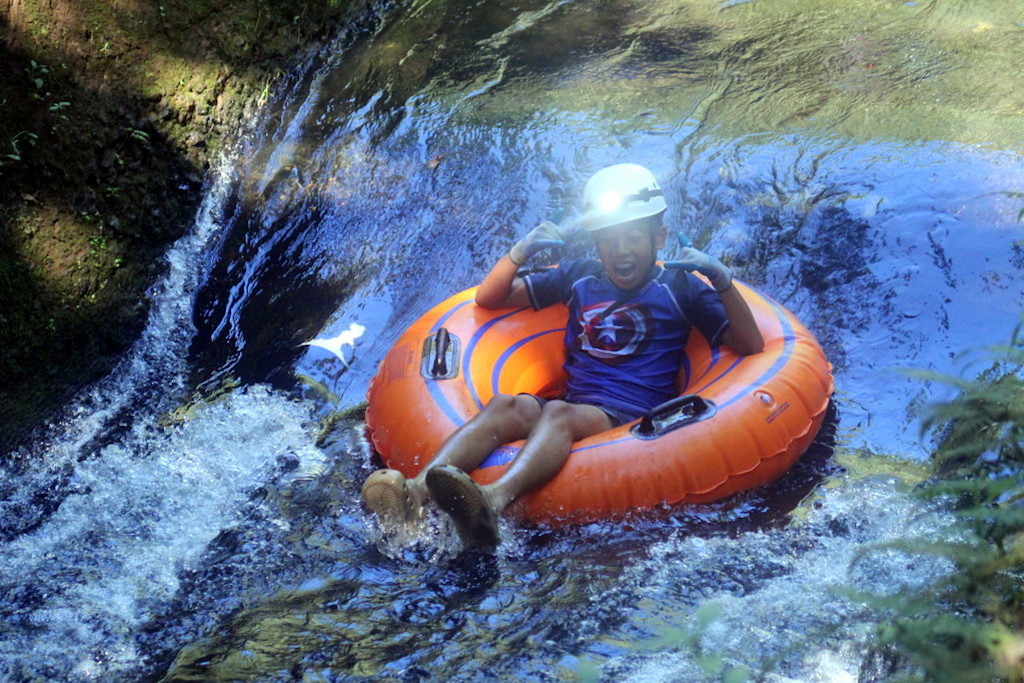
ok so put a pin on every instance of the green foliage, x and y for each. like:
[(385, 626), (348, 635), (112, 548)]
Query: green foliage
[(967, 626), (36, 73), (39, 95), (17, 140)]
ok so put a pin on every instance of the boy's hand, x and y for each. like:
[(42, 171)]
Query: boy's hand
[(545, 235), (715, 271)]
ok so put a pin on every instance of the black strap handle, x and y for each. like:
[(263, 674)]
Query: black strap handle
[(441, 341), (440, 356), (673, 414)]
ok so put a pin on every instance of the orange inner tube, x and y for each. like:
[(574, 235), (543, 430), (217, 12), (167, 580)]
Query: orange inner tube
[(765, 409)]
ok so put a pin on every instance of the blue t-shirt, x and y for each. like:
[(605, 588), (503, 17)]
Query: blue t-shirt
[(624, 348)]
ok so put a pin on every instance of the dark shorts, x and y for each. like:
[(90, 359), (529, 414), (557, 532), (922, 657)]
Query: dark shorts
[(617, 416)]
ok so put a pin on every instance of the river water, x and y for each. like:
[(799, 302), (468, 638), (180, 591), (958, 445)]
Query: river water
[(194, 516)]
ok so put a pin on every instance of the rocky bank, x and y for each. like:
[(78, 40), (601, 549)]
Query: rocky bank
[(110, 114)]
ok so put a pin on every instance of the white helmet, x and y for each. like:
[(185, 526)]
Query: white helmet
[(620, 194)]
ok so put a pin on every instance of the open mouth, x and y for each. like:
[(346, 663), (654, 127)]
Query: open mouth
[(625, 270)]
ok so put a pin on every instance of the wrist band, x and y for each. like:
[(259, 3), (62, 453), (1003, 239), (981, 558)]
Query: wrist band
[(514, 262)]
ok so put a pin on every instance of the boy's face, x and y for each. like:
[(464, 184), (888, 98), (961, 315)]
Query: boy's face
[(628, 252)]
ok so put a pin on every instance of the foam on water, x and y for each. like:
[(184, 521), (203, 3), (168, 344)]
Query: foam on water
[(116, 499), (785, 601), (143, 509)]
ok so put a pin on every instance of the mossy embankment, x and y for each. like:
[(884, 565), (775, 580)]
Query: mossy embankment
[(111, 112)]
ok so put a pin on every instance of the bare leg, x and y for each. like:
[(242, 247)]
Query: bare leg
[(546, 450), (549, 436), (399, 501), (475, 509), (505, 418)]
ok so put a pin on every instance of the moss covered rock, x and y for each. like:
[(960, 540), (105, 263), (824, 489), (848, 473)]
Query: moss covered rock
[(110, 113)]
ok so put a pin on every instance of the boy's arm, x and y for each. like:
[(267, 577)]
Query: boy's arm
[(501, 288), (742, 334)]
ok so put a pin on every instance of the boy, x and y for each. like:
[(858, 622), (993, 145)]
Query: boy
[(629, 319)]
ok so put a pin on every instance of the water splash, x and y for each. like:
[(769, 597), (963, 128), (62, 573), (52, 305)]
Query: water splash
[(783, 601), (102, 514), (140, 511)]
